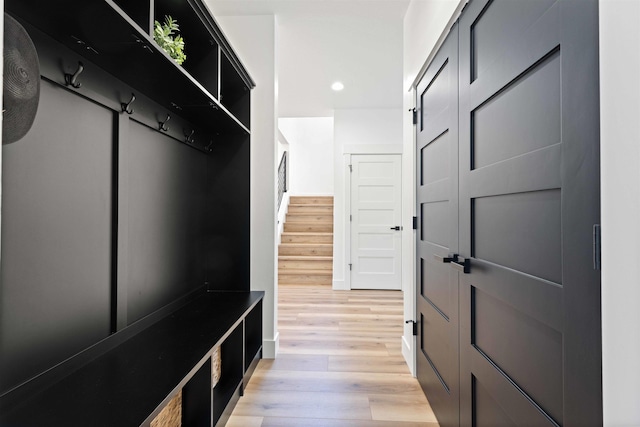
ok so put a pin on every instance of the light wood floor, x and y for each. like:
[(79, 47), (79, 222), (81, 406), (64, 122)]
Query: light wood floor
[(339, 365)]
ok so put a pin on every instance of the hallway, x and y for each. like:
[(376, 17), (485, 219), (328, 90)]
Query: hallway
[(339, 365)]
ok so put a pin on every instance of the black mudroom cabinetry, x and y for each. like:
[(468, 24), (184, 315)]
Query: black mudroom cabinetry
[(125, 222)]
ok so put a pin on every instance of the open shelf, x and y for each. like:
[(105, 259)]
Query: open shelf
[(234, 93), (231, 372), (200, 46), (103, 33)]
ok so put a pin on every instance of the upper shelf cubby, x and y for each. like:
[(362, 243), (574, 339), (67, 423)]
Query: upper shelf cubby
[(117, 36), (200, 46), (138, 11), (234, 93)]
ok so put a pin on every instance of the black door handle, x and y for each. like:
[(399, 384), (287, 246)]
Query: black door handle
[(397, 228), (445, 259), (462, 264)]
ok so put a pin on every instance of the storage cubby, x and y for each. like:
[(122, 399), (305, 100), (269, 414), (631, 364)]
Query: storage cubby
[(139, 11), (200, 46), (227, 389), (234, 93)]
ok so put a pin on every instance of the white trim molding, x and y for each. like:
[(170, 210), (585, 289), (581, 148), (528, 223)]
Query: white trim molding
[(372, 149), (270, 347), (408, 353), (340, 285)]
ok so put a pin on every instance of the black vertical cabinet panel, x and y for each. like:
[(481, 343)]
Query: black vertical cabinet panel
[(166, 213), (55, 295), (196, 398), (228, 214)]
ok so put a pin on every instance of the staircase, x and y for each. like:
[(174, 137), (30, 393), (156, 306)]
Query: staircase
[(305, 255)]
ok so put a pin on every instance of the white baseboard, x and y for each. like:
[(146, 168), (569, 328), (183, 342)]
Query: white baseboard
[(270, 347), (340, 285), (408, 354)]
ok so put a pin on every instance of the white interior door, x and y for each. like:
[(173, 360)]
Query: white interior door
[(376, 234)]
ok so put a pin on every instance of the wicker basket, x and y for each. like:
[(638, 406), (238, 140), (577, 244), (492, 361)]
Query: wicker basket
[(216, 366), (171, 415)]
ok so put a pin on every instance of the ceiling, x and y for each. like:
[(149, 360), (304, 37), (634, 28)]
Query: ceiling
[(357, 42)]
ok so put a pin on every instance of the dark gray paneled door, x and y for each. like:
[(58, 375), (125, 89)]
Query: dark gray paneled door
[(437, 204), (528, 198)]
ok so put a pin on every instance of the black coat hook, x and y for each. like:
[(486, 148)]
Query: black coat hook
[(163, 125), (126, 108), (209, 147), (72, 80), (189, 137)]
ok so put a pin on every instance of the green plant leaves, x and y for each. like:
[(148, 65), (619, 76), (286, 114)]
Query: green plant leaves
[(167, 37)]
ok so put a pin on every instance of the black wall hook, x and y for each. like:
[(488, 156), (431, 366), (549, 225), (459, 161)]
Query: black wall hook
[(189, 137), (126, 108), (163, 125), (72, 79), (209, 147)]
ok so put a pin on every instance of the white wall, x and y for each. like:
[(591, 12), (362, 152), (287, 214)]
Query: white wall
[(355, 128), (253, 38), (310, 154), (356, 131), (283, 145), (424, 24), (620, 186)]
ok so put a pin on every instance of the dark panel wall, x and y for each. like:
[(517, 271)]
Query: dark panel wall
[(166, 213), (56, 235), (228, 214)]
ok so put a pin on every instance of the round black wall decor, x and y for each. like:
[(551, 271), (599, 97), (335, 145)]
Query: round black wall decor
[(21, 81)]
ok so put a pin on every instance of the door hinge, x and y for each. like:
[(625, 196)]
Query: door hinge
[(414, 114), (415, 222), (415, 326), (350, 265), (597, 244), (350, 168), (350, 218)]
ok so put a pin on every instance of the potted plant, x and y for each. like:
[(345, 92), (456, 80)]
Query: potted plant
[(167, 37)]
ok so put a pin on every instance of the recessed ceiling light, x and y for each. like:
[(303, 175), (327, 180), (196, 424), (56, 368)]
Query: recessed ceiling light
[(337, 86)]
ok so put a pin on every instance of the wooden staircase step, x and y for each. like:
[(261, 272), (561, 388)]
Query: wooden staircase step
[(309, 217), (293, 272), (302, 237), (289, 262), (304, 208), (305, 277), (306, 249), (306, 252), (322, 227), (311, 200)]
